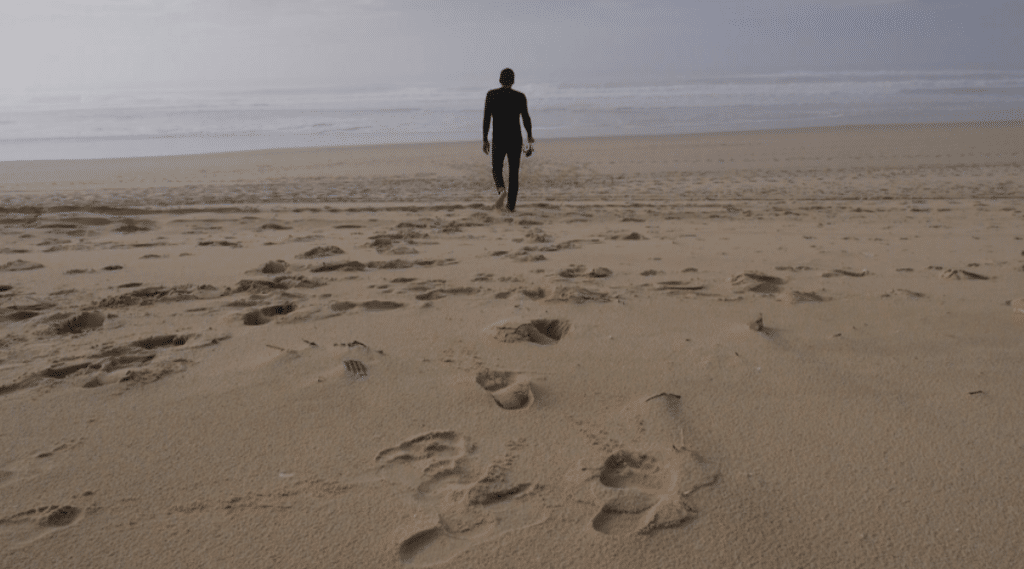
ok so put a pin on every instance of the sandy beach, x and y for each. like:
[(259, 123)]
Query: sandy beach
[(794, 348)]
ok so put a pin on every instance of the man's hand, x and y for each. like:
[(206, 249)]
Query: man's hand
[(487, 147)]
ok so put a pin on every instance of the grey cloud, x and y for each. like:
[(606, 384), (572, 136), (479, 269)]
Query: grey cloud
[(359, 43)]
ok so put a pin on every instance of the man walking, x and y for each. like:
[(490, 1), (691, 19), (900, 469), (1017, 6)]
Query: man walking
[(505, 105)]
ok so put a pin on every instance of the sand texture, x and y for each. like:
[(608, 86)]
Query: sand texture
[(773, 349)]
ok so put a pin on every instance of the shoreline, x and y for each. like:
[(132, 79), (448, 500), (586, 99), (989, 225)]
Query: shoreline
[(859, 161), (768, 131)]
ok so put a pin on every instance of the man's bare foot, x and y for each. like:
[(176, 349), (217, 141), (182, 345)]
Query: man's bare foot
[(502, 194)]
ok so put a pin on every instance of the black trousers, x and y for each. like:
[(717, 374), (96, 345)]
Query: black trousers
[(498, 152)]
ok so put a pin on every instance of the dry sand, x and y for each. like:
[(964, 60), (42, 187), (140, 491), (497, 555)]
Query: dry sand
[(343, 358)]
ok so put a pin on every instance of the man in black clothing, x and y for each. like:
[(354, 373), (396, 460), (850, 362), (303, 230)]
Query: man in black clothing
[(505, 105)]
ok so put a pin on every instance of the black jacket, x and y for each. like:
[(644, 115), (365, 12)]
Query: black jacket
[(505, 105)]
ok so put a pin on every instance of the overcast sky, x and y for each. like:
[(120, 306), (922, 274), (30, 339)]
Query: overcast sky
[(82, 44)]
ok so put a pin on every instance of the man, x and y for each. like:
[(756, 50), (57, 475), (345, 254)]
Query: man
[(506, 105)]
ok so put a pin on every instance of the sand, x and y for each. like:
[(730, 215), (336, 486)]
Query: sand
[(772, 349)]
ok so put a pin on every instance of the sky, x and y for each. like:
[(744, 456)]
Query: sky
[(371, 44)]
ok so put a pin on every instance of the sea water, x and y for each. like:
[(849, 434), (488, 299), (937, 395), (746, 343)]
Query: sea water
[(154, 122)]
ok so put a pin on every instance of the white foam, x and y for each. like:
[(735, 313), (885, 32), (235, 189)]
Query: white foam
[(94, 124)]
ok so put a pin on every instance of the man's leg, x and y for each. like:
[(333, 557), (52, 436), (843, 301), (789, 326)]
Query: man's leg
[(513, 174), (497, 160)]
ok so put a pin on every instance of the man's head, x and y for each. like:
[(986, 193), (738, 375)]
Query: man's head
[(508, 77)]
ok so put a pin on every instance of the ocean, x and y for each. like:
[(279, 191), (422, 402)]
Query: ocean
[(157, 122)]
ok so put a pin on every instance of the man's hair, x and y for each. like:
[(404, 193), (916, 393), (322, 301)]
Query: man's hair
[(508, 77)]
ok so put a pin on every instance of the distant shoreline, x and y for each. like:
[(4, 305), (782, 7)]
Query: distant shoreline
[(149, 123), (865, 127)]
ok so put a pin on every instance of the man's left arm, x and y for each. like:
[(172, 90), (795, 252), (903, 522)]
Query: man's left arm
[(526, 122)]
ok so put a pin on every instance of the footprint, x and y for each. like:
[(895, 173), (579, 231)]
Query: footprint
[(470, 509), (255, 318), (487, 492), (356, 359), (542, 332), (439, 544), (459, 531), (154, 342), (64, 371), (626, 514), (60, 517), (644, 491), (534, 293), (279, 310), (263, 315), (756, 282), (377, 305), (681, 285), (508, 391), (903, 293), (432, 295), (796, 296), (356, 368), (572, 271), (20, 265), (426, 461), (81, 323), (343, 306), (15, 315), (323, 251), (845, 273), (579, 295), (643, 488), (274, 267), (623, 516), (958, 274), (28, 526), (630, 469)]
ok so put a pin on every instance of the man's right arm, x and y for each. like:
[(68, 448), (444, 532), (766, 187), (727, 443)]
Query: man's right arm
[(487, 121), (526, 122)]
